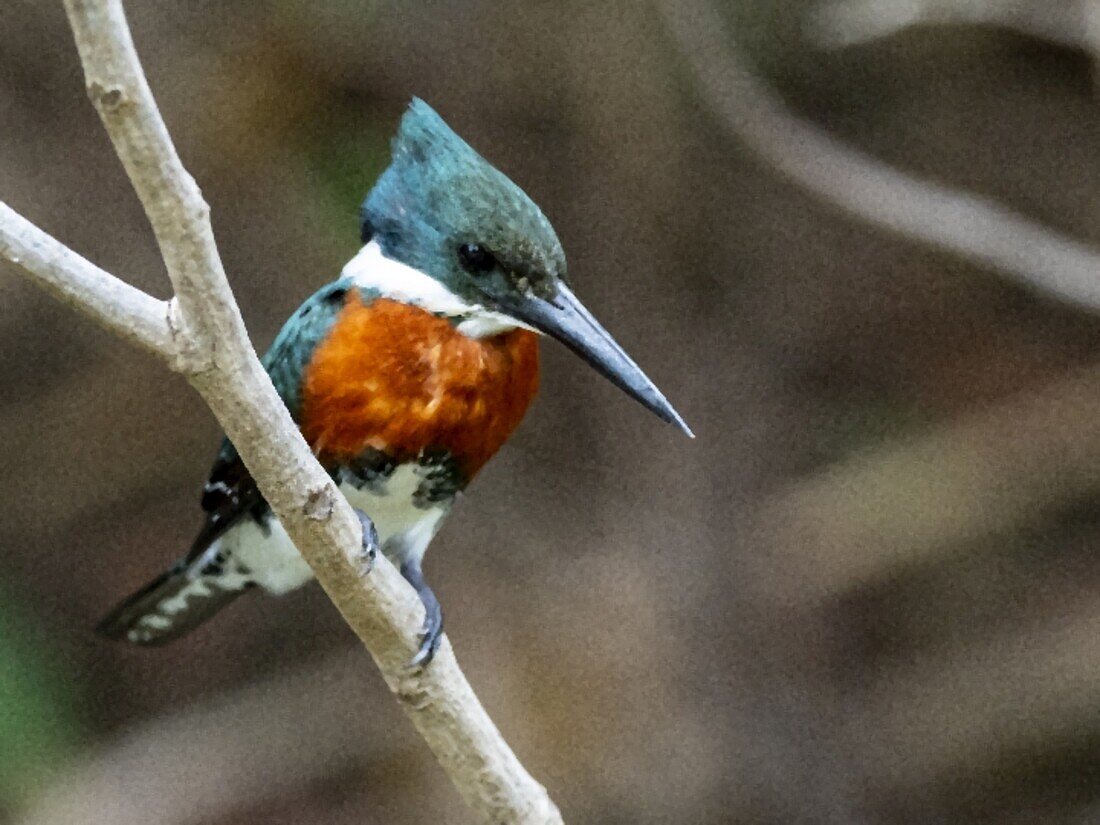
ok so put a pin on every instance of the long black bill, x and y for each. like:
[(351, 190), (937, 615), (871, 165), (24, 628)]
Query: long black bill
[(565, 318)]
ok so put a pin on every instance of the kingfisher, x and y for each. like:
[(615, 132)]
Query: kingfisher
[(405, 375)]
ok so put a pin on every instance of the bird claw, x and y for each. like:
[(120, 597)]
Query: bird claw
[(430, 637), (432, 632), (369, 550)]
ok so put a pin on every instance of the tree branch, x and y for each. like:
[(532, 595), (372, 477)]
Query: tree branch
[(213, 351), (972, 227), (78, 282), (179, 215)]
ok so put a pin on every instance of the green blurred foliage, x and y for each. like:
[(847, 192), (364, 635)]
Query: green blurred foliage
[(37, 718), (343, 155)]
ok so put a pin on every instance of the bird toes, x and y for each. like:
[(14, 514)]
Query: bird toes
[(369, 550), (429, 644)]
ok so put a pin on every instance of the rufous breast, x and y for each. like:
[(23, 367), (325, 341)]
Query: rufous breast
[(402, 380)]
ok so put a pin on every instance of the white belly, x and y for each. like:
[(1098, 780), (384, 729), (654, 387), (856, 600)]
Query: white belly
[(404, 530)]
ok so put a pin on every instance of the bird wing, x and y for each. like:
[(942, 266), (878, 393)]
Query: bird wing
[(230, 492)]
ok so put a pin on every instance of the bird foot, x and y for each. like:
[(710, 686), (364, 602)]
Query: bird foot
[(432, 632), (430, 637), (369, 550)]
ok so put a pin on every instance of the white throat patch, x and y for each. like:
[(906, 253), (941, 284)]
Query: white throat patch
[(370, 269)]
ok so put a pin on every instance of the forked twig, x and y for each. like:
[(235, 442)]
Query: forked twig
[(200, 333)]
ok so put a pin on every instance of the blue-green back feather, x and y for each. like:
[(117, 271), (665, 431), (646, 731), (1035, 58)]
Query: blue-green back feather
[(291, 351)]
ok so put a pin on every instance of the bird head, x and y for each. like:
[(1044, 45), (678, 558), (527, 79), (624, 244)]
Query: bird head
[(443, 210)]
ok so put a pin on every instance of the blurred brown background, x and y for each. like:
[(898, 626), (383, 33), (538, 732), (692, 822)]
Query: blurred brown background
[(869, 592)]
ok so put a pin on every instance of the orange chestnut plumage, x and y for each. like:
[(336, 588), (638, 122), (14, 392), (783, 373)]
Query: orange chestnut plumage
[(401, 380)]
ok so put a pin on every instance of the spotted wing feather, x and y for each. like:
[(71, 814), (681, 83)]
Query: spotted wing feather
[(206, 580)]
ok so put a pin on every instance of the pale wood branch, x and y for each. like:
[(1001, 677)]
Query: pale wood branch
[(975, 228), (179, 215), (211, 348), (78, 282)]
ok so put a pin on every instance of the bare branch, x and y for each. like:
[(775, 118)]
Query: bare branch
[(121, 308), (173, 203), (215, 354), (848, 22), (972, 227)]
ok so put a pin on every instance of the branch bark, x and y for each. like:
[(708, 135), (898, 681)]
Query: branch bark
[(972, 227), (78, 282), (200, 333)]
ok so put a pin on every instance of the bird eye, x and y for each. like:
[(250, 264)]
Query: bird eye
[(476, 259)]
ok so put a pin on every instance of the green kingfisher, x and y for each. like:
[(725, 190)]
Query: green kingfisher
[(405, 376)]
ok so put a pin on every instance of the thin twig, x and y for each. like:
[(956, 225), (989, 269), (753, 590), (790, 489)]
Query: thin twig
[(972, 227), (179, 215), (211, 348), (78, 282)]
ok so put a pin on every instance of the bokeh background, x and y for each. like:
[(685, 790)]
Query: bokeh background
[(868, 592)]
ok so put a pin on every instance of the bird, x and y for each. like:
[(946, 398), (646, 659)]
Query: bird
[(405, 375)]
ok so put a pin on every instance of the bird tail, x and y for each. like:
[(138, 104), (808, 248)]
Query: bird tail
[(176, 602)]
